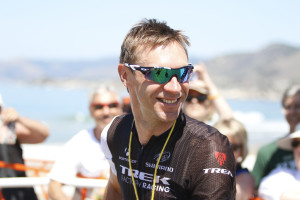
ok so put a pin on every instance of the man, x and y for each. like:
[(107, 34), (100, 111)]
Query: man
[(283, 183), (82, 155), (270, 156), (204, 99), (14, 131), (157, 152)]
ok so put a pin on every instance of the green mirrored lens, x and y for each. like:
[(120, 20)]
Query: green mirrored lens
[(163, 75)]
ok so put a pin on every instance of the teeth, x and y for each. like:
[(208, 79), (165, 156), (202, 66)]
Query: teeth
[(169, 101)]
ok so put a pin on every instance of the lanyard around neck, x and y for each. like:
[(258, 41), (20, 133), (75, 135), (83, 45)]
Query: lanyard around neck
[(156, 166)]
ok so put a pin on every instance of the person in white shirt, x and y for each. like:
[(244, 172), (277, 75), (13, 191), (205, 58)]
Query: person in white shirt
[(82, 155), (284, 183)]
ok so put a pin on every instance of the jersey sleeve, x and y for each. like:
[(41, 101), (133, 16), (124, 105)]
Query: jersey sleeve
[(213, 166)]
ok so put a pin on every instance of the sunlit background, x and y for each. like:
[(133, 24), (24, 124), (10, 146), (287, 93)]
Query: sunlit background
[(47, 34)]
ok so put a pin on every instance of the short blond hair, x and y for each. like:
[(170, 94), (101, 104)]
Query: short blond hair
[(234, 128), (147, 35)]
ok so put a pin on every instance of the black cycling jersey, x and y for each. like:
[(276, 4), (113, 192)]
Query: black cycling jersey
[(197, 163)]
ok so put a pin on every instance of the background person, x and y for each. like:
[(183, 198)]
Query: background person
[(237, 136), (157, 152), (82, 155), (14, 131), (204, 98), (283, 183), (270, 156)]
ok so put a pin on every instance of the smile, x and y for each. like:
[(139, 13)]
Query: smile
[(169, 101)]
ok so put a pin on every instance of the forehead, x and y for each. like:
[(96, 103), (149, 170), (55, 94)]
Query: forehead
[(106, 97), (172, 55), (292, 100)]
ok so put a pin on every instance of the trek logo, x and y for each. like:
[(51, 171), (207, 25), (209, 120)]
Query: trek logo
[(221, 157), (217, 171), (166, 155), (144, 176)]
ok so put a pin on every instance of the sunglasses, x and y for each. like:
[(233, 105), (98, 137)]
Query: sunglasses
[(295, 143), (163, 75), (236, 147), (200, 98), (99, 106)]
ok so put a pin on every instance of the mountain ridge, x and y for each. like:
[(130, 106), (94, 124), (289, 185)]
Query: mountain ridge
[(264, 73)]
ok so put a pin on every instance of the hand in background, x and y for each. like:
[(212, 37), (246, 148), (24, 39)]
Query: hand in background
[(9, 115)]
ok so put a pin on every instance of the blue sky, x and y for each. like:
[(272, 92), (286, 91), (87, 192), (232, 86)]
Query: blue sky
[(93, 29)]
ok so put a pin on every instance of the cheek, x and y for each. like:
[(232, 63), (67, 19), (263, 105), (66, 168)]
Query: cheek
[(116, 111), (185, 89), (96, 113), (297, 157)]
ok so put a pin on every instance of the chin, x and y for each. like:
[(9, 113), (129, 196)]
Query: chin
[(169, 116)]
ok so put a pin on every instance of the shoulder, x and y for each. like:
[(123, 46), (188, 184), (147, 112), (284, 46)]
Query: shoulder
[(203, 132), (116, 131), (117, 126), (278, 174), (268, 148), (272, 149), (199, 129), (206, 143), (81, 135), (240, 170), (78, 138)]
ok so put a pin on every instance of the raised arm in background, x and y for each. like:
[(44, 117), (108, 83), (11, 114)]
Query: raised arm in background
[(27, 130)]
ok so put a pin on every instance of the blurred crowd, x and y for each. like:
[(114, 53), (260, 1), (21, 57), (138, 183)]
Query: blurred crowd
[(276, 172)]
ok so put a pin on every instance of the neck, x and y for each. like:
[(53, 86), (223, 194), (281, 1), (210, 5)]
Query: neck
[(146, 130), (97, 133)]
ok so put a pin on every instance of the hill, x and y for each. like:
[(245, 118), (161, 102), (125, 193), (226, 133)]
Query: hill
[(264, 73)]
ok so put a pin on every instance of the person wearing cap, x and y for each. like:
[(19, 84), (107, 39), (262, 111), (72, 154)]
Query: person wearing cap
[(270, 155), (14, 131), (204, 98), (283, 183)]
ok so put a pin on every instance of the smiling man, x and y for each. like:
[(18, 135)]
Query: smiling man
[(157, 152)]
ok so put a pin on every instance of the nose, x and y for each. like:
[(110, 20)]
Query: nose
[(106, 110), (173, 85), (194, 100)]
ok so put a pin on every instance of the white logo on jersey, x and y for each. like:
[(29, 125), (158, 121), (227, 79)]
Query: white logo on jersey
[(144, 176), (217, 171), (166, 155)]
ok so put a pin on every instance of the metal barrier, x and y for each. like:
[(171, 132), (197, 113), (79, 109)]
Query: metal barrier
[(36, 181)]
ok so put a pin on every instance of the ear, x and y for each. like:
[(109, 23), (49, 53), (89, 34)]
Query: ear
[(91, 109), (123, 74)]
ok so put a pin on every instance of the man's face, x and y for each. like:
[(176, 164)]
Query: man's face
[(104, 107), (152, 101), (198, 106), (292, 111)]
